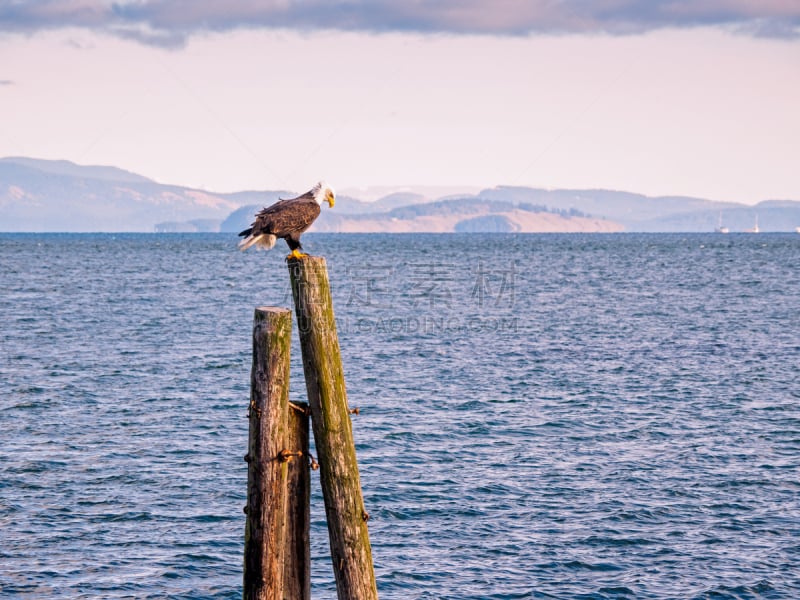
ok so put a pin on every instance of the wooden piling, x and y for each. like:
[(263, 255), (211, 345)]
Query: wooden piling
[(264, 538), (297, 561), (333, 436)]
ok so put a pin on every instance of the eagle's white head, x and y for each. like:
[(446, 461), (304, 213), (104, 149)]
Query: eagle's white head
[(324, 193)]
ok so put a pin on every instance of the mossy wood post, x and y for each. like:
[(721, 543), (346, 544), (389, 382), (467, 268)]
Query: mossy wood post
[(297, 562), (264, 537), (333, 434)]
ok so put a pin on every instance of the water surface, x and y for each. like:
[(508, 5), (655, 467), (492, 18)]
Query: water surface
[(542, 416)]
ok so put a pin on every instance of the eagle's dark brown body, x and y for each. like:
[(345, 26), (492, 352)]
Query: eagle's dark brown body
[(286, 219)]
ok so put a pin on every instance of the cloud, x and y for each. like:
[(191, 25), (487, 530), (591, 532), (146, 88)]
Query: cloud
[(169, 23)]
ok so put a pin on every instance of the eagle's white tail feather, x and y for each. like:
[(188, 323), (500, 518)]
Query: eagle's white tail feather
[(264, 241)]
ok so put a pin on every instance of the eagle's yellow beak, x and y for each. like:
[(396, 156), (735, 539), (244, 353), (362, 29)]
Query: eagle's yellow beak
[(331, 200)]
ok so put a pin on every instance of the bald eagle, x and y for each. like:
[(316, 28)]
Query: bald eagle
[(287, 219)]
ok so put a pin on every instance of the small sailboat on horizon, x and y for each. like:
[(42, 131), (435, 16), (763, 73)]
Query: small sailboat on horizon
[(755, 228), (720, 228)]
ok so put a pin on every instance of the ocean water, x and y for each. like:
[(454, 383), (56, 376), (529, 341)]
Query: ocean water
[(541, 416)]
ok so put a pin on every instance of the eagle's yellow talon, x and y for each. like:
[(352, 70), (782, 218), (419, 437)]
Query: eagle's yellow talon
[(296, 254)]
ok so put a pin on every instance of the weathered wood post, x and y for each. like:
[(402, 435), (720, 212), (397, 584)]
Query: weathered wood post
[(264, 536), (333, 434), (297, 561)]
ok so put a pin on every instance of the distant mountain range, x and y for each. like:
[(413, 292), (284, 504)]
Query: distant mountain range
[(45, 195)]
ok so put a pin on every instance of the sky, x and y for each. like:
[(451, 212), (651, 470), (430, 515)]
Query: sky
[(660, 97)]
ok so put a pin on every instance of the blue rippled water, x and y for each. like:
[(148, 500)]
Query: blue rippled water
[(542, 416)]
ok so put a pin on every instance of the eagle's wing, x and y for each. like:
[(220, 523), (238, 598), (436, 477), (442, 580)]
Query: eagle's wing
[(264, 217), (287, 216)]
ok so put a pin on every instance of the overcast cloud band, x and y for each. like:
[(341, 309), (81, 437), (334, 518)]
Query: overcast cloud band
[(170, 22)]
